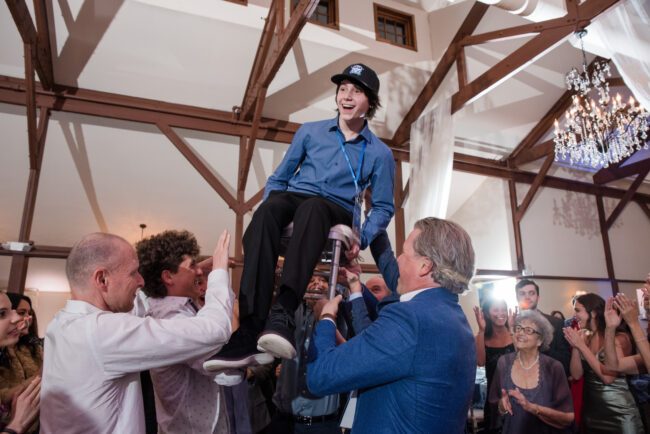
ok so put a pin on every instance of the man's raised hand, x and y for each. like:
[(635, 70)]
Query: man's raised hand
[(221, 252)]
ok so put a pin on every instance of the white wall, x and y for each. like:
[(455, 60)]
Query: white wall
[(561, 237), (46, 305), (485, 215), (629, 239)]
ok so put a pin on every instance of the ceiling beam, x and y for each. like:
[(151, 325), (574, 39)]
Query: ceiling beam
[(87, 102), (517, 31), (509, 66), (628, 196), (39, 40), (461, 67), (200, 166), (299, 17), (254, 200), (541, 128), (114, 106), (537, 182), (612, 173), (470, 23), (43, 48), (245, 164), (611, 166), (535, 153), (40, 252), (30, 104), (262, 51), (34, 176), (400, 194), (496, 169), (516, 226), (606, 245), (530, 51)]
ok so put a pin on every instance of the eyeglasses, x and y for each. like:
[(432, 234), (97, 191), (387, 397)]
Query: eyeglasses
[(526, 330)]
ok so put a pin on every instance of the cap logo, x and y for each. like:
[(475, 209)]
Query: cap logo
[(356, 69)]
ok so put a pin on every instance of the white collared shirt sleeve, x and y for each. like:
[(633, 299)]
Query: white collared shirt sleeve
[(123, 343)]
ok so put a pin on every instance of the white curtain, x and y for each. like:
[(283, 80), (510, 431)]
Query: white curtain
[(624, 33), (431, 160)]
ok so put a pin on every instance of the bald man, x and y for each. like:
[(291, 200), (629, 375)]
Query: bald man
[(377, 286), (95, 349)]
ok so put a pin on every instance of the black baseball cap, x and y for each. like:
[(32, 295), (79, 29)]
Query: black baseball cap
[(360, 74)]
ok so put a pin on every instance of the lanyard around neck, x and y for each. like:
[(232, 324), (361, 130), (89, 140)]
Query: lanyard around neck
[(355, 177)]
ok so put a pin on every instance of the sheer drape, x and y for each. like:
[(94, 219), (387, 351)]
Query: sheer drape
[(625, 33), (431, 160)]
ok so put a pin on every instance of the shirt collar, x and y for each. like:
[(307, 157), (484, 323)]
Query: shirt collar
[(80, 306), (170, 300), (333, 125), (409, 295)]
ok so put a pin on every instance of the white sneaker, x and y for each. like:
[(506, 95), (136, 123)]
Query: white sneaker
[(276, 345), (214, 365)]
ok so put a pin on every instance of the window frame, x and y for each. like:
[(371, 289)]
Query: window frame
[(333, 14), (408, 20)]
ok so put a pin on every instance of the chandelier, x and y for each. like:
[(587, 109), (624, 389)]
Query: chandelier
[(600, 133)]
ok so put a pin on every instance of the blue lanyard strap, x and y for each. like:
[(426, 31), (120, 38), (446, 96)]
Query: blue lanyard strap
[(356, 177)]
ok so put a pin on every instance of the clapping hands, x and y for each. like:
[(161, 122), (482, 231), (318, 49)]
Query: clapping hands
[(612, 316), (576, 338)]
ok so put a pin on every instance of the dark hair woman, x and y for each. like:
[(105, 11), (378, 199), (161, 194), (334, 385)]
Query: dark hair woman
[(493, 340), (22, 361), (26, 403), (608, 405)]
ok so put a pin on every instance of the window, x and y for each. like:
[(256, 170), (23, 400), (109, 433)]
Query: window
[(324, 14), (394, 27)]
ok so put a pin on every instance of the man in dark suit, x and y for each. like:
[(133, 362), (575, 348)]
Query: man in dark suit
[(527, 297), (415, 365)]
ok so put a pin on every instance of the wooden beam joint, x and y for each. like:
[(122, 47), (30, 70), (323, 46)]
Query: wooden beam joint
[(38, 40)]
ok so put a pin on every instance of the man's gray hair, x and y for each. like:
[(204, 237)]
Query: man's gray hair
[(543, 326), (450, 249), (91, 252)]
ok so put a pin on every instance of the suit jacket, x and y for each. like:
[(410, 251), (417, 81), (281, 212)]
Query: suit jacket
[(415, 366), (559, 349)]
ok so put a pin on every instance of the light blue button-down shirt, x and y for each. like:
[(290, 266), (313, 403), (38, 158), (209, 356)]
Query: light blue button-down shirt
[(315, 164)]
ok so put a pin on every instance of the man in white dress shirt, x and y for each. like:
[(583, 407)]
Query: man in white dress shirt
[(188, 400), (95, 349)]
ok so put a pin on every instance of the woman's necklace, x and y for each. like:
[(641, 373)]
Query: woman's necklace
[(531, 366)]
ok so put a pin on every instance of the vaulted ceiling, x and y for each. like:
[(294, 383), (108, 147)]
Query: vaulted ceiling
[(143, 110)]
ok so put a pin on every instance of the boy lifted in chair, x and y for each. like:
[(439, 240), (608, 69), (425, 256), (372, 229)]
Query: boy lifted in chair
[(319, 184)]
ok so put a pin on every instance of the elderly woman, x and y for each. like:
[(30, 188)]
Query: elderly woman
[(530, 388)]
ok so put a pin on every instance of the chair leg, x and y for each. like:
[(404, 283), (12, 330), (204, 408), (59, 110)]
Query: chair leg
[(334, 273)]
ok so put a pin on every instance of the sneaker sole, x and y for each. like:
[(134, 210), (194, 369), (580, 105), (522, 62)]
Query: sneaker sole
[(276, 345), (226, 364)]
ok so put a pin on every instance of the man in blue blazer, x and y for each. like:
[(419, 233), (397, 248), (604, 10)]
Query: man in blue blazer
[(415, 365)]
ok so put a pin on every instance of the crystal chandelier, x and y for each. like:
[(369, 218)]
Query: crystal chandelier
[(600, 133)]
